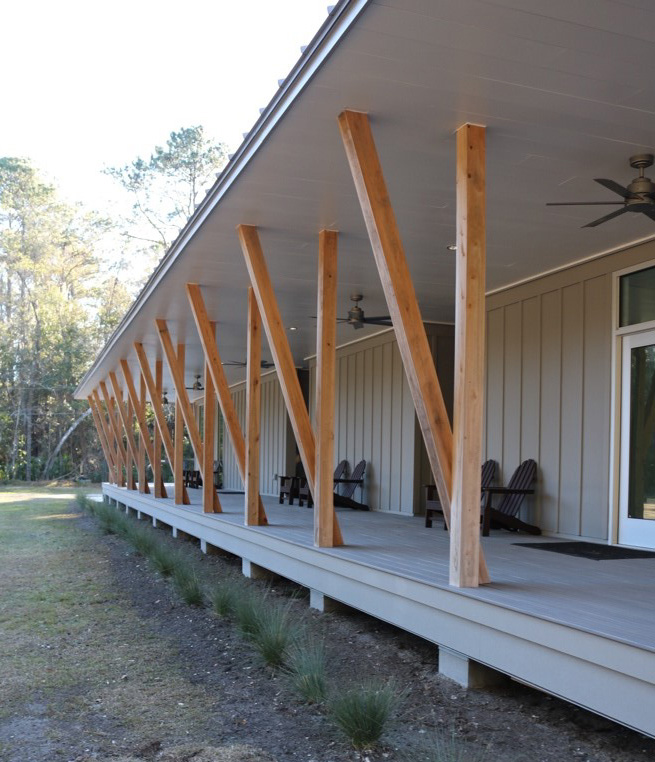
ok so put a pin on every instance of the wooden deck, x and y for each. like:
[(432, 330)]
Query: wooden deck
[(578, 628)]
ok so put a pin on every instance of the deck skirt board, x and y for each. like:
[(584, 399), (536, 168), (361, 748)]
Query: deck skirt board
[(585, 635)]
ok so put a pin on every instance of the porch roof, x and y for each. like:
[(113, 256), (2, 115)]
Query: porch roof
[(565, 95)]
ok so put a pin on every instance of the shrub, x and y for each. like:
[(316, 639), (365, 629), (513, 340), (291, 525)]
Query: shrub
[(306, 669), (362, 712), (187, 582)]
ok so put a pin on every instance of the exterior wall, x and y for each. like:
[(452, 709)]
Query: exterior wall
[(375, 417), (548, 393), (276, 438)]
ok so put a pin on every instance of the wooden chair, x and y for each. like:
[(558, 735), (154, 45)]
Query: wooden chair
[(344, 498), (433, 504), (506, 512), (303, 487), (288, 488)]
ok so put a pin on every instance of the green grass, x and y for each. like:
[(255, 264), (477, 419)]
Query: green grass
[(446, 747), (187, 582), (276, 631), (363, 712), (224, 596), (306, 669)]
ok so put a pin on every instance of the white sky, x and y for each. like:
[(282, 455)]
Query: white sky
[(87, 85)]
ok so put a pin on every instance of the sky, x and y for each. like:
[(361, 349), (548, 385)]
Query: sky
[(88, 85)]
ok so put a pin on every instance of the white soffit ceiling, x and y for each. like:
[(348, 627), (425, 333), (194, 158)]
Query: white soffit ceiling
[(566, 92)]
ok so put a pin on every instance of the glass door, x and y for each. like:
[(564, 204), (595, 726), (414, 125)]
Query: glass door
[(637, 490)]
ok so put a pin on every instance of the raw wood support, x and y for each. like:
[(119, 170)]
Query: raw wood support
[(213, 359), (253, 407), (403, 307), (155, 393), (176, 366), (118, 439), (327, 533), (140, 409), (469, 357), (111, 444), (280, 350), (157, 475), (141, 465), (129, 433), (208, 499), (144, 434), (101, 436), (127, 421), (178, 439)]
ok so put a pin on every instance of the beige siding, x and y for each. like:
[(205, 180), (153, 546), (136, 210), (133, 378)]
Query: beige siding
[(548, 390), (375, 417), (273, 440)]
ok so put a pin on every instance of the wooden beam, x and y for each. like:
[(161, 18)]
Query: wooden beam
[(129, 433), (208, 492), (127, 421), (157, 475), (327, 533), (401, 300), (280, 350), (178, 439), (160, 417), (139, 404), (468, 406), (176, 366), (253, 410), (118, 439), (144, 434), (111, 441), (101, 436), (213, 359)]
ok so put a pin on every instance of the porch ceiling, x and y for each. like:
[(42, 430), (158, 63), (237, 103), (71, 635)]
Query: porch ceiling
[(564, 91)]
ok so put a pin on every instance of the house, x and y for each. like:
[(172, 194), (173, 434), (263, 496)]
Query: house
[(408, 159)]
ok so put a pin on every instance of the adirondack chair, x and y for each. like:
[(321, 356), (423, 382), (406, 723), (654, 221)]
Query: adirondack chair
[(433, 504), (347, 487), (506, 512), (303, 488)]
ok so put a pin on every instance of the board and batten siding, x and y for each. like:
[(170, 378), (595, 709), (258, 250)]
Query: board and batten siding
[(548, 390), (275, 438), (375, 418)]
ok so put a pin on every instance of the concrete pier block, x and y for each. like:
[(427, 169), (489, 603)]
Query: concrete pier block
[(467, 672), (325, 604)]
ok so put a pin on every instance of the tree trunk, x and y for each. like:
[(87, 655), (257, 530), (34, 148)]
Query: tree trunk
[(62, 441)]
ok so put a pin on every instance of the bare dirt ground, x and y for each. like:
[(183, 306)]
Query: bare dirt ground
[(101, 660)]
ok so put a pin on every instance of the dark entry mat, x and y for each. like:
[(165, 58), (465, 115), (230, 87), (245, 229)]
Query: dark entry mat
[(588, 550)]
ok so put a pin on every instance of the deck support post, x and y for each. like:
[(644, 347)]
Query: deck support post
[(327, 532), (157, 475), (141, 465), (118, 439), (127, 419), (208, 443), (213, 359), (176, 364), (178, 438), (280, 349), (254, 571), (403, 306), (161, 425), (101, 436), (253, 408), (468, 405), (111, 444), (467, 672)]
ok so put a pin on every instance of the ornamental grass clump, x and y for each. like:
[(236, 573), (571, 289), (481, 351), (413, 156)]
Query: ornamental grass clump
[(275, 632), (362, 712), (224, 597), (143, 540), (187, 583), (249, 611), (447, 747), (306, 669), (163, 558)]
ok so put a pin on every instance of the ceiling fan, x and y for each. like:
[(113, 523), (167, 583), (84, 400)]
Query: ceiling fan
[(639, 196), (356, 317), (242, 363), (197, 385)]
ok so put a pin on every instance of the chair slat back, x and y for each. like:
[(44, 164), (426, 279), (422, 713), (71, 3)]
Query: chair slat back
[(522, 478), (348, 490), (340, 470), (488, 473)]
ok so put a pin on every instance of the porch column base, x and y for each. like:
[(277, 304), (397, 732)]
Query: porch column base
[(467, 672), (154, 522), (324, 604), (254, 571), (211, 550)]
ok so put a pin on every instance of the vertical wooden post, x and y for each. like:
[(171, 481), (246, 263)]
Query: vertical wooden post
[(253, 407), (101, 436), (213, 359), (403, 306), (139, 405), (129, 434), (118, 439), (469, 357), (178, 439), (141, 466), (208, 492), (127, 419), (111, 444), (327, 533), (157, 476)]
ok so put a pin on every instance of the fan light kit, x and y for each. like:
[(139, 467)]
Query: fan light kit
[(452, 247), (164, 399), (292, 328), (639, 196)]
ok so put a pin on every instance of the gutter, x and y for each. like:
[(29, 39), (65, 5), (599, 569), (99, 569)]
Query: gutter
[(341, 17)]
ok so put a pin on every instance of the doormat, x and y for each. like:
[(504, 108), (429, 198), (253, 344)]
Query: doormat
[(588, 550)]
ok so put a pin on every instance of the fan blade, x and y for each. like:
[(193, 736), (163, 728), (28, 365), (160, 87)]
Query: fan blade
[(234, 362), (607, 217), (614, 187), (381, 320), (649, 213), (584, 203)]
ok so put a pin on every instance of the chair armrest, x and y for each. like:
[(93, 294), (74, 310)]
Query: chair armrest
[(348, 481), (507, 491)]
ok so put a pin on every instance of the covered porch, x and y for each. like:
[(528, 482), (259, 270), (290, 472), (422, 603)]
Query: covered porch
[(580, 629)]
